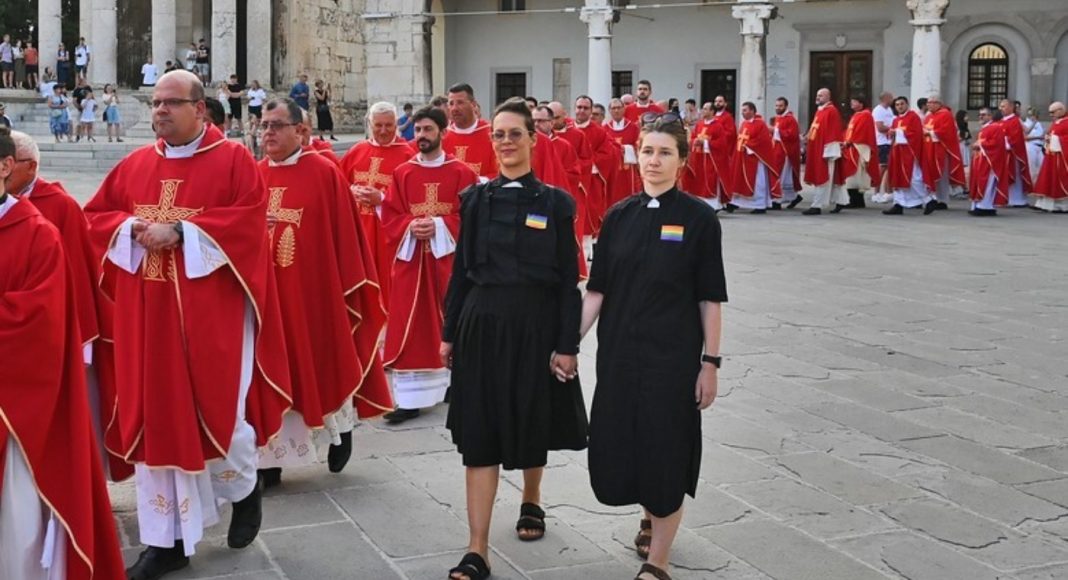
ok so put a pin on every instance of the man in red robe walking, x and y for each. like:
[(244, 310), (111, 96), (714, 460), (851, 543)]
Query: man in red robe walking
[(584, 152), (565, 154), (724, 116), (707, 173), (1051, 188), (55, 515), (468, 137), (605, 160), (643, 104), (823, 150), (626, 181), (1019, 171), (990, 177), (904, 174), (753, 169), (943, 168), (787, 140), (369, 167), (859, 165), (421, 218), (201, 372), (331, 304)]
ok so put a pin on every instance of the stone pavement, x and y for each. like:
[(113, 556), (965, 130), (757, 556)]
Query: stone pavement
[(892, 405)]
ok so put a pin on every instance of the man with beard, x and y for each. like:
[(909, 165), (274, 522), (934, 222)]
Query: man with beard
[(823, 150), (990, 177), (724, 116), (605, 158), (905, 176), (787, 140), (626, 180), (943, 168), (859, 164), (1051, 188), (421, 219), (708, 167), (753, 171), (642, 104), (468, 137)]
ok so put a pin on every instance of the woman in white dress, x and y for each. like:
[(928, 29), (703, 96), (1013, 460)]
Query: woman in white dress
[(1035, 136)]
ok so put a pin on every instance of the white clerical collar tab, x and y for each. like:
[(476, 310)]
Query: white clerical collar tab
[(513, 184), (184, 151), (582, 125), (619, 125), (653, 203), (291, 160), (464, 131)]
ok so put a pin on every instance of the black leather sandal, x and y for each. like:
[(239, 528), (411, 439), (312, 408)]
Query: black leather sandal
[(644, 538), (471, 565), (650, 569), (531, 521)]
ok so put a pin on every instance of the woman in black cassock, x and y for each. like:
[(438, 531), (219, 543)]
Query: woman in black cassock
[(657, 283), (511, 334)]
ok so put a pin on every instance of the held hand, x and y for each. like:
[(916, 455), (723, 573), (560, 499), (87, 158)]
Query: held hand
[(446, 354), (158, 237), (137, 228), (422, 228), (707, 386), (564, 366)]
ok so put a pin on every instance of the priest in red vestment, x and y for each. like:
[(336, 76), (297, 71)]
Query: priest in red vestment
[(584, 152), (823, 150), (605, 160), (201, 373), (565, 154), (643, 103), (331, 304), (1051, 187), (421, 218), (708, 168), (787, 138), (468, 137), (904, 174), (724, 116), (989, 181), (943, 167), (754, 174), (369, 167), (1019, 169), (626, 181), (55, 515), (319, 146), (859, 166)]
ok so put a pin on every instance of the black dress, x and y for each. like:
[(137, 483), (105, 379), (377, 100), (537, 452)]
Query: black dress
[(322, 112), (655, 261), (512, 301)]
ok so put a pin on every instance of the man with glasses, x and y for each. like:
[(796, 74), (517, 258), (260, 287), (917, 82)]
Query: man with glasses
[(943, 168), (421, 220), (202, 376), (606, 156), (468, 137), (1051, 187), (990, 177), (626, 181), (327, 285), (584, 152)]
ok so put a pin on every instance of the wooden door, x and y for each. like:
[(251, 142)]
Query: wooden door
[(846, 74), (720, 82)]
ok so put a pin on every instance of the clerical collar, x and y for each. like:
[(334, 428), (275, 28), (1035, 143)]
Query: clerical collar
[(6, 203), (582, 125), (720, 112), (26, 191), (527, 180), (651, 202), (184, 151), (435, 162), (291, 160), (619, 125), (645, 106), (708, 121), (825, 105), (465, 131)]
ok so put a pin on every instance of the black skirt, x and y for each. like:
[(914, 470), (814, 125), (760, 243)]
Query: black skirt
[(507, 408), (324, 118)]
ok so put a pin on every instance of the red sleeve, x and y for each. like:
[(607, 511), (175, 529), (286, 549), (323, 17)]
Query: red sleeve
[(395, 214)]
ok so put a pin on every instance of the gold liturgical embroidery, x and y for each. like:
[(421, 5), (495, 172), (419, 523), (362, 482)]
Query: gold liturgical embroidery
[(165, 212), (372, 178), (287, 242), (461, 155), (431, 207)]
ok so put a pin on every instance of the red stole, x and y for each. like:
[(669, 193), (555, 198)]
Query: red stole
[(707, 175), (331, 304), (474, 148), (903, 156), (413, 333), (634, 111), (860, 131), (44, 404), (178, 341), (605, 156), (372, 165), (1053, 177), (991, 159), (942, 124), (1014, 133), (826, 128), (756, 137), (626, 181), (789, 146)]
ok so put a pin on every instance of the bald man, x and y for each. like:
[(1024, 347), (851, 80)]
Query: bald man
[(1019, 168), (823, 150), (1051, 187)]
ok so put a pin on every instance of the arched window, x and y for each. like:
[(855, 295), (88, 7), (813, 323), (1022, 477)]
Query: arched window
[(988, 76)]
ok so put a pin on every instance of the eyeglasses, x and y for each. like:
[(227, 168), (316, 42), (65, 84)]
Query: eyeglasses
[(660, 119), (275, 125), (513, 136), (170, 103)]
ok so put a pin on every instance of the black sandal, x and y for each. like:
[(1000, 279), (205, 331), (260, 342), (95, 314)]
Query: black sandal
[(650, 569), (471, 565), (531, 520), (643, 540)]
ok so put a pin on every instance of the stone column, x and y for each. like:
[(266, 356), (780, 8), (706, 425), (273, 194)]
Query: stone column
[(164, 23), (85, 22), (223, 39), (49, 32), (1042, 70), (926, 46), (597, 14), (397, 49), (752, 79), (103, 67), (258, 51)]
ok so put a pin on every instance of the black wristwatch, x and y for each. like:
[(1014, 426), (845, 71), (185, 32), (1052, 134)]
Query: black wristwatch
[(178, 230), (715, 360)]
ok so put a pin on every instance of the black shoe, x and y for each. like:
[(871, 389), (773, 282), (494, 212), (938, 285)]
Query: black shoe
[(811, 211), (400, 416), (157, 562), (332, 138), (796, 201), (930, 207), (895, 210), (838, 208), (339, 455), (729, 208), (272, 477), (448, 390), (246, 519), (856, 199), (983, 212), (941, 205), (776, 206), (759, 211)]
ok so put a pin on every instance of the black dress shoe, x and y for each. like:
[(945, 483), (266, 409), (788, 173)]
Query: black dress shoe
[(759, 211), (271, 477), (400, 416), (896, 209), (157, 562), (730, 207), (941, 205), (856, 199), (339, 455), (812, 211), (796, 201), (776, 206), (930, 207), (983, 212), (246, 519), (838, 208)]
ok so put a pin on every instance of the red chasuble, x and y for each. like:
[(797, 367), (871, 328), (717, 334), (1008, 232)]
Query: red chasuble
[(546, 164), (178, 341), (935, 162), (606, 156), (325, 149), (1015, 134), (626, 181), (332, 310), (826, 128), (1053, 177), (565, 154), (584, 152), (44, 404), (727, 119), (634, 111), (707, 174), (789, 145), (991, 159), (472, 146), (372, 165), (861, 131), (413, 333), (755, 137), (903, 156)]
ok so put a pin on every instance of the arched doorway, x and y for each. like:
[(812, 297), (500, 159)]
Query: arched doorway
[(988, 76)]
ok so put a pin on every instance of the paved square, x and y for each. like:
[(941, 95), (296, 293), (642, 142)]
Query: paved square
[(892, 406)]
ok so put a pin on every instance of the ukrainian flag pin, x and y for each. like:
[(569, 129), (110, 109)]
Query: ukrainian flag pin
[(537, 222)]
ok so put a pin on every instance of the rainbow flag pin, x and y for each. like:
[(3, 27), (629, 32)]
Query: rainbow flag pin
[(671, 233), (537, 222)]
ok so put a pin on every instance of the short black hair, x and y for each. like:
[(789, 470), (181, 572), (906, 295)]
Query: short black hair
[(750, 105), (997, 115), (296, 114), (516, 106), (598, 106), (462, 88), (407, 107), (863, 102), (921, 102), (691, 102), (587, 97), (646, 83), (434, 114), (544, 109), (215, 110), (784, 100), (438, 101), (905, 99), (7, 144), (532, 100)]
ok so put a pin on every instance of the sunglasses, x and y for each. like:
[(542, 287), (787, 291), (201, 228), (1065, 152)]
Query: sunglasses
[(660, 119)]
